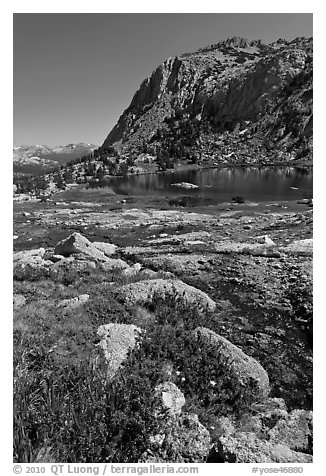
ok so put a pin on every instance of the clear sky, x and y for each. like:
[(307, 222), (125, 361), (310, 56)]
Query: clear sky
[(74, 74)]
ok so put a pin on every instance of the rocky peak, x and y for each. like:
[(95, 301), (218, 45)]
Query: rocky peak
[(224, 87), (239, 42)]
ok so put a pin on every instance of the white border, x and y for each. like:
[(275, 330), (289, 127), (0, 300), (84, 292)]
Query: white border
[(169, 6)]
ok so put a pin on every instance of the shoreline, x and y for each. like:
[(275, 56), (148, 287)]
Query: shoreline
[(178, 168)]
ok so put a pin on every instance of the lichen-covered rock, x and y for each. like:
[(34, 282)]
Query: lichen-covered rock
[(180, 439), (71, 263), (107, 248), (266, 433), (75, 302), (18, 301), (132, 270), (28, 255), (117, 340), (294, 431), (248, 448), (77, 243), (56, 258), (247, 379), (111, 264), (301, 246), (144, 292), (30, 260), (169, 398), (265, 240)]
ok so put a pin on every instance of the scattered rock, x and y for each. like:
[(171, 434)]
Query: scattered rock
[(73, 264), (248, 448), (30, 260), (255, 249), (143, 293), (132, 270), (170, 398), (185, 185), (248, 380), (238, 199), (149, 274), (56, 258), (300, 246), (265, 240), (110, 264), (267, 433), (18, 301), (117, 340), (77, 243), (305, 201), (28, 254), (181, 439), (107, 248), (294, 431), (75, 302)]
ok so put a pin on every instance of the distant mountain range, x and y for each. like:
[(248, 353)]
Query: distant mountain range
[(32, 159)]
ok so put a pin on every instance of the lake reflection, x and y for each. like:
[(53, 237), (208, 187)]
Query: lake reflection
[(219, 185)]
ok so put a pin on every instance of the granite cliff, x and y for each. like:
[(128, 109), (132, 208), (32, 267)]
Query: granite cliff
[(234, 97)]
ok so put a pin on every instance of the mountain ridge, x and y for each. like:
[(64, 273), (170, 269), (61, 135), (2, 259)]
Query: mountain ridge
[(39, 157), (235, 83)]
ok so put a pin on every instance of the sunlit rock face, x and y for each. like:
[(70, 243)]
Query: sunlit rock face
[(234, 86)]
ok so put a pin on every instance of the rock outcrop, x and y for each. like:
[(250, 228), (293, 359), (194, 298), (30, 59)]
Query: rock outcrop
[(248, 448), (266, 434)]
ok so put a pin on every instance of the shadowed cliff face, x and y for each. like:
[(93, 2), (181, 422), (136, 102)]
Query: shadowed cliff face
[(267, 86)]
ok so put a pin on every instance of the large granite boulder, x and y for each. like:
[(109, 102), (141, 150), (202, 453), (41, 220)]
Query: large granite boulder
[(243, 376), (116, 341), (77, 243), (144, 293)]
